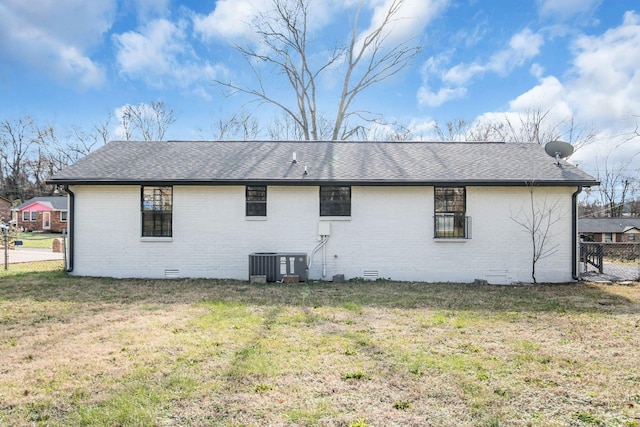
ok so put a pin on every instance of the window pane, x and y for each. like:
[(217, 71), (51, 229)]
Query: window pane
[(256, 209), (335, 201), (157, 198), (156, 224), (449, 199)]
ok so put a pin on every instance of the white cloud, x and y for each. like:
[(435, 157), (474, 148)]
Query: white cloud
[(434, 99), (522, 47), (565, 9), (55, 37), (160, 55), (410, 20), (149, 9), (229, 19), (232, 19), (548, 95), (600, 93), (605, 81)]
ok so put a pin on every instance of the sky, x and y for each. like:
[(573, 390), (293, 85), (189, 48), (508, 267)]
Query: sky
[(74, 62)]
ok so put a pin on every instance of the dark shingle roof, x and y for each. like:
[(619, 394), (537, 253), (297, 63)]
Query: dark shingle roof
[(59, 203), (339, 162), (607, 225)]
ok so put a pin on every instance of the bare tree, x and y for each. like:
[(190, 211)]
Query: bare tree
[(537, 219), (240, 126), (617, 181), (17, 144), (533, 125), (148, 122), (284, 44)]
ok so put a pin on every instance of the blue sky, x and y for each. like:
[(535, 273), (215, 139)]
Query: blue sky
[(74, 62)]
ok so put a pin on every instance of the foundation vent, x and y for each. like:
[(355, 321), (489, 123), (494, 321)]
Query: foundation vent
[(370, 274), (172, 274)]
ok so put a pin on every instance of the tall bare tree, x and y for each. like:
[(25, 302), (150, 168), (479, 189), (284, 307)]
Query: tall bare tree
[(17, 145), (617, 181), (241, 125), (148, 122), (285, 44), (533, 125)]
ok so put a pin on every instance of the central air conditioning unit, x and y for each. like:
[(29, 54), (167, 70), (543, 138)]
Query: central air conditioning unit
[(276, 265)]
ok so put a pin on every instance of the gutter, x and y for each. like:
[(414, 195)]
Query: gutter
[(318, 182), (70, 231), (574, 234)]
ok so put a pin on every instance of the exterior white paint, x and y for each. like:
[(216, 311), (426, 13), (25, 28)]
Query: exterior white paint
[(389, 232)]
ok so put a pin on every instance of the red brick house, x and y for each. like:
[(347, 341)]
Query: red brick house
[(5, 209), (42, 214)]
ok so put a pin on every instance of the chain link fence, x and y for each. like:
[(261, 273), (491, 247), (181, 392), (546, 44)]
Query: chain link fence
[(31, 252), (613, 262)]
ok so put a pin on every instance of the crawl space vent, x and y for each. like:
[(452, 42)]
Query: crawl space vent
[(370, 274), (172, 274)]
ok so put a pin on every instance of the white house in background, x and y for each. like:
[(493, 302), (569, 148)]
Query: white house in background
[(415, 211)]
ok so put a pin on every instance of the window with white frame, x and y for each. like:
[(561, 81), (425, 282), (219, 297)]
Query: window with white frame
[(63, 216)]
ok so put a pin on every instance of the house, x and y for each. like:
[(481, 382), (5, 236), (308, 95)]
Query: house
[(610, 230), (5, 210), (402, 210), (42, 214)]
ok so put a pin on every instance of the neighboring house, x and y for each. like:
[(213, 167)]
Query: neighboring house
[(407, 211), (42, 214), (610, 230), (5, 210)]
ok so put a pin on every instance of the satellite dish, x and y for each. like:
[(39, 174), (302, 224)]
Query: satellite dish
[(558, 150)]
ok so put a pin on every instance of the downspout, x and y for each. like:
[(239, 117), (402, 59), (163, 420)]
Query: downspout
[(70, 232), (574, 234)]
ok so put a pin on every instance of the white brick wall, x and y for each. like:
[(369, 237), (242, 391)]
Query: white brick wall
[(390, 232)]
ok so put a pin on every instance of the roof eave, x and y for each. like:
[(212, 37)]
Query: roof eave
[(352, 182)]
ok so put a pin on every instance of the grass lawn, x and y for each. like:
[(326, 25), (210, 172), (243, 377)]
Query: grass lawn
[(86, 351), (38, 240)]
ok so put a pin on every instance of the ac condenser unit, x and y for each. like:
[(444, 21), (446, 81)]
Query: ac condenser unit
[(276, 265)]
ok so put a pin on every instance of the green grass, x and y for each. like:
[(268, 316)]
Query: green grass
[(106, 352), (38, 240)]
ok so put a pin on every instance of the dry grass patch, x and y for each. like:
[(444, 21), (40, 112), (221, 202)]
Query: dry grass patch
[(83, 351)]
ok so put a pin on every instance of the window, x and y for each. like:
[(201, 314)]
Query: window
[(449, 218), (29, 216), (63, 216), (632, 237), (157, 208), (335, 201), (256, 200), (608, 237)]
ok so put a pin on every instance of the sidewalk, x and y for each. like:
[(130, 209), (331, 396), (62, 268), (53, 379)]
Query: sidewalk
[(30, 255)]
